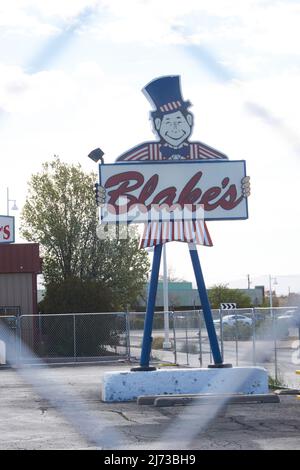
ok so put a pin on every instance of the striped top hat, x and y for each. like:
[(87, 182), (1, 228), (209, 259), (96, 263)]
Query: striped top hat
[(165, 94)]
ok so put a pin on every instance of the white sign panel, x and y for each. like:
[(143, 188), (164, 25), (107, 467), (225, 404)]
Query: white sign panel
[(228, 306), (7, 229), (209, 189)]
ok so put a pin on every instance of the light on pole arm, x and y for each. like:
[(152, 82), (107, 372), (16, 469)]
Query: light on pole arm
[(274, 281), (14, 206), (96, 155)]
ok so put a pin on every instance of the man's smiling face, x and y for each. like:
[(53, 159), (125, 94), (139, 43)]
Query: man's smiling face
[(174, 128)]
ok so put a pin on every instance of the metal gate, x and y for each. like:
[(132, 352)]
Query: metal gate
[(9, 335)]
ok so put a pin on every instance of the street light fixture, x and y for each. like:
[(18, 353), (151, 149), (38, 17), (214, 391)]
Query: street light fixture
[(275, 283), (96, 155), (14, 206)]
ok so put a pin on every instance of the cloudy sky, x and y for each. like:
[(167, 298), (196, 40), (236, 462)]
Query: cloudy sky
[(71, 74)]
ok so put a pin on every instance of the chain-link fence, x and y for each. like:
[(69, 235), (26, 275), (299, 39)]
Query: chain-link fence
[(65, 337), (159, 334), (277, 342), (253, 336)]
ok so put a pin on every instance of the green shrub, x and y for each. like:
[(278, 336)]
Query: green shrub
[(240, 332), (137, 323), (95, 335), (158, 342), (189, 348), (276, 383)]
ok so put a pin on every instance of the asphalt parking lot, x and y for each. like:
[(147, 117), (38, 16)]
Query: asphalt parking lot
[(61, 408)]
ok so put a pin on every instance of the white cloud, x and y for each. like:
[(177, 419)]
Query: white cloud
[(279, 95), (256, 23), (14, 20), (275, 29), (13, 81), (40, 18), (91, 97), (64, 9), (51, 8)]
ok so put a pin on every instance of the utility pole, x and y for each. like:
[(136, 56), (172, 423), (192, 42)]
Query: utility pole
[(7, 201), (248, 280), (14, 207), (271, 279), (166, 343)]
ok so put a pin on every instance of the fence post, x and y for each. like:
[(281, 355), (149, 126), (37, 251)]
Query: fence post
[(174, 335), (236, 340), (19, 339), (275, 343), (186, 339), (127, 321), (200, 339), (74, 338), (254, 336), (221, 332)]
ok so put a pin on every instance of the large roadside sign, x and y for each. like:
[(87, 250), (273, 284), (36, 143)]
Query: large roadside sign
[(139, 192), (173, 185), (7, 229)]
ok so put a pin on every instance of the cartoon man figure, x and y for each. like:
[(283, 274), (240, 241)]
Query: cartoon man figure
[(173, 124)]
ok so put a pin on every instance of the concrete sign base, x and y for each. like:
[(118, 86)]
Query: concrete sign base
[(127, 386)]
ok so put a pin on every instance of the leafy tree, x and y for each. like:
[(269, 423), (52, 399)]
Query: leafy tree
[(96, 335), (74, 295), (221, 294), (60, 213), (275, 300)]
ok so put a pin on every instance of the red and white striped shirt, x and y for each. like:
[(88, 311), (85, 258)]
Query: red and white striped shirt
[(150, 151), (189, 231)]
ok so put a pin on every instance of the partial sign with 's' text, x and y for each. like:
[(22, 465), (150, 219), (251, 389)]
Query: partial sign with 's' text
[(7, 229)]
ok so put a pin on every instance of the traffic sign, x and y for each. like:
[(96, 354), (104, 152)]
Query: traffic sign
[(228, 306)]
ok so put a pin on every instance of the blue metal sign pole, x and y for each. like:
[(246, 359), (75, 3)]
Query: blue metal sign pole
[(211, 331), (147, 338)]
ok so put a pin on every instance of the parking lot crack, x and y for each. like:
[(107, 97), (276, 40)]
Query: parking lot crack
[(242, 423), (123, 415)]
